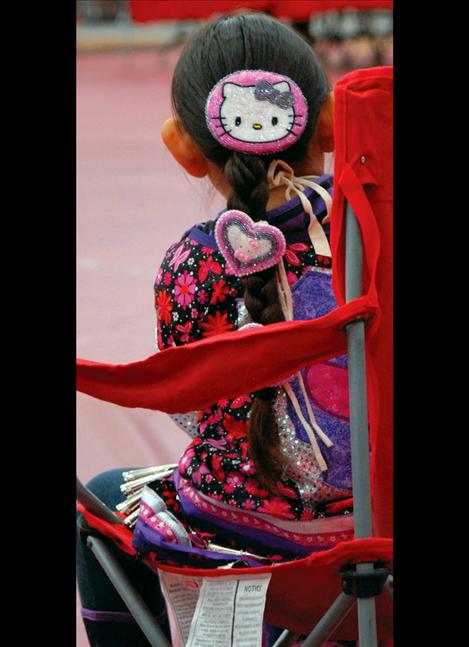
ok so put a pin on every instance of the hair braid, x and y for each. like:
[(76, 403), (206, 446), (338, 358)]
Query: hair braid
[(248, 177)]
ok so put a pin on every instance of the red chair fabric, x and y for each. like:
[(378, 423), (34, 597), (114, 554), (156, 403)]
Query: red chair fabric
[(152, 10), (299, 592), (363, 176), (175, 379)]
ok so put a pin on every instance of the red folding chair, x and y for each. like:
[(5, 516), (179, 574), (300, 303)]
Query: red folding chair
[(153, 10), (315, 594)]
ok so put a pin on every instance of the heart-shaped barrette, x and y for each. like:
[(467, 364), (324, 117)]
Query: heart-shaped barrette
[(247, 246)]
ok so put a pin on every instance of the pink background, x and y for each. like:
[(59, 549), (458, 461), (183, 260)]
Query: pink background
[(133, 201)]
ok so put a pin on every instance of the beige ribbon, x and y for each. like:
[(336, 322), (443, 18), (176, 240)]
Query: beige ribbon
[(321, 246), (297, 185)]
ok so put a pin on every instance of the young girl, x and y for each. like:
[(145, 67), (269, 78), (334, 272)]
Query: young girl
[(267, 471)]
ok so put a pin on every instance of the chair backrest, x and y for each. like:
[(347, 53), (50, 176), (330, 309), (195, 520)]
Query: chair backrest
[(363, 176)]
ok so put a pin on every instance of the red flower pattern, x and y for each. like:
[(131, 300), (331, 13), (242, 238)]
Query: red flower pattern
[(216, 324), (236, 428), (276, 507), (220, 292), (163, 303), (291, 255), (184, 331), (253, 487), (207, 266)]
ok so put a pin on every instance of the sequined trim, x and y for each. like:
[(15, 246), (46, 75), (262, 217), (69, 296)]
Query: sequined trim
[(302, 467), (243, 314), (187, 422)]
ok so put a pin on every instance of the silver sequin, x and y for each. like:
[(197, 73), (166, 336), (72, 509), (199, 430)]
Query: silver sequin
[(243, 314), (302, 465), (187, 422)]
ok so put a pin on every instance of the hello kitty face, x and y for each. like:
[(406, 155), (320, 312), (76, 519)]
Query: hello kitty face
[(256, 111), (250, 119)]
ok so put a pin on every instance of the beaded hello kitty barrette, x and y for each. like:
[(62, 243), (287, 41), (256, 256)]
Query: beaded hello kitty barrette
[(258, 112)]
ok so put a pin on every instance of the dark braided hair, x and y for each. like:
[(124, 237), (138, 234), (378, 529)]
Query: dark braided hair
[(231, 43)]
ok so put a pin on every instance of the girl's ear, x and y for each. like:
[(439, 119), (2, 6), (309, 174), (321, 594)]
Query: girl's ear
[(183, 148), (325, 127)]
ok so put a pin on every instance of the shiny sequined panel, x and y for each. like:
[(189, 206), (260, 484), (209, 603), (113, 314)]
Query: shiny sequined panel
[(302, 466)]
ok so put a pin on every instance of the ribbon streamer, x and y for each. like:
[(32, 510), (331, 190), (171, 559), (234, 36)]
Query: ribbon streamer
[(319, 242)]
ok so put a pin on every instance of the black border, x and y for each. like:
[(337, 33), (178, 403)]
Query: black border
[(39, 399), (40, 68), (426, 522)]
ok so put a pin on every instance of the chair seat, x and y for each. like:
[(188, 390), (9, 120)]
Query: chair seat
[(300, 591)]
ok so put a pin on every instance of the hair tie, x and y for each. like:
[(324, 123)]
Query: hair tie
[(265, 394), (254, 111)]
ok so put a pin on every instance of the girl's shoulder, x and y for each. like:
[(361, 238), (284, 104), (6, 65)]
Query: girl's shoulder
[(202, 233), (195, 257), (196, 244)]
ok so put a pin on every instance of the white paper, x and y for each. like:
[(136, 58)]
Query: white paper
[(181, 593), (222, 611), (229, 612)]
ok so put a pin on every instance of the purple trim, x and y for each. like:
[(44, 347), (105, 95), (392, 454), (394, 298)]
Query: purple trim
[(107, 616), (265, 541), (286, 206), (208, 240), (146, 539)]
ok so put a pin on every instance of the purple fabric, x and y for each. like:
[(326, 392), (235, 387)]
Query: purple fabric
[(107, 616), (146, 539), (313, 297), (208, 240)]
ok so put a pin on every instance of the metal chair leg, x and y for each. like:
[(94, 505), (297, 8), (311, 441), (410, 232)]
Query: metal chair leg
[(330, 620), (128, 593), (286, 639)]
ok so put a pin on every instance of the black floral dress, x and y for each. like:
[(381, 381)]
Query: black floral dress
[(195, 297)]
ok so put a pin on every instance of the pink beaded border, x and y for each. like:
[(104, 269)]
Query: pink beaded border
[(248, 222)]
